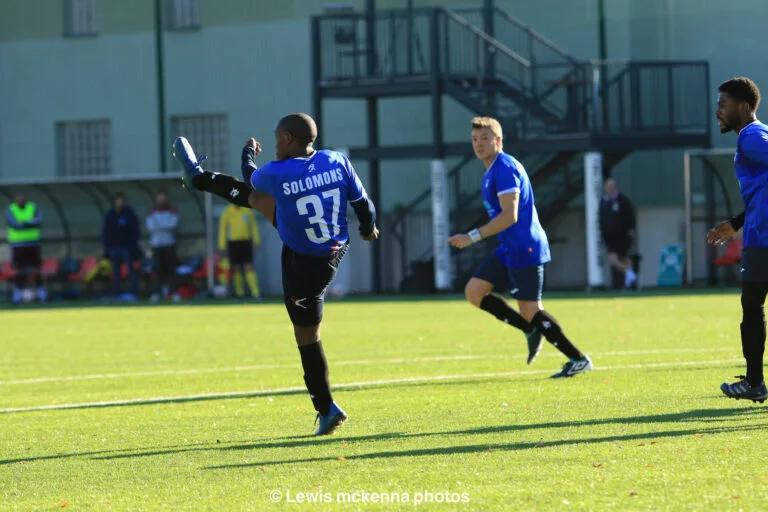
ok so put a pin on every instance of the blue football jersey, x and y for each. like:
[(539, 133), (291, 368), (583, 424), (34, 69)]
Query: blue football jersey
[(523, 244), (751, 166), (311, 196)]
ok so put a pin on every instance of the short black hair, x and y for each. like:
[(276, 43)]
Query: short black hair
[(301, 126), (118, 195), (742, 88)]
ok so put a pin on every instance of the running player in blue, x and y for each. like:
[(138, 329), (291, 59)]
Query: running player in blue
[(304, 192), (517, 265), (736, 111)]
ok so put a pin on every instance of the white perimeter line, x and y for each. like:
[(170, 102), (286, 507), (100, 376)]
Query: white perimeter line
[(348, 385), (40, 380)]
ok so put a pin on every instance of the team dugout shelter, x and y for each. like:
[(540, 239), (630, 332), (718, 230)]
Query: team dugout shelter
[(73, 212)]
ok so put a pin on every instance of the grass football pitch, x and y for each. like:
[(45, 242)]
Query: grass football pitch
[(202, 407)]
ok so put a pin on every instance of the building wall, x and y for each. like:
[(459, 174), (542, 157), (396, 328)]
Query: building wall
[(228, 67), (250, 61)]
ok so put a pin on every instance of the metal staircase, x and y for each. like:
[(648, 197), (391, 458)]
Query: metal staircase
[(549, 103)]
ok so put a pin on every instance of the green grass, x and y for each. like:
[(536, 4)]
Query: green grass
[(440, 401)]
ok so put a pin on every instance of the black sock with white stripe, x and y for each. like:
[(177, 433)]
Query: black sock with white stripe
[(224, 186), (551, 330), (316, 376), (496, 305)]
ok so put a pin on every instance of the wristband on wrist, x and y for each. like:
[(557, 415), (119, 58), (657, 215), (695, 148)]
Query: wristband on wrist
[(475, 235), (738, 221)]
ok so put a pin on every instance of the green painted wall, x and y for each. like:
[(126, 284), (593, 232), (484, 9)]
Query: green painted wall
[(250, 61)]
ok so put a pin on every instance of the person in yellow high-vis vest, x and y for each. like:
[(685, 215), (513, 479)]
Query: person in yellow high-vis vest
[(239, 235), (24, 221)]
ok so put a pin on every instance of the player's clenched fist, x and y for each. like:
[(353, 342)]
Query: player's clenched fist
[(373, 235), (253, 144)]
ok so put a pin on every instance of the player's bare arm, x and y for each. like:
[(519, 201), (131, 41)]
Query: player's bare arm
[(505, 219)]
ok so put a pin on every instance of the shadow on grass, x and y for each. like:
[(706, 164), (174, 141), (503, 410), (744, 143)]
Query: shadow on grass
[(698, 415), (486, 447), (158, 400), (29, 460)]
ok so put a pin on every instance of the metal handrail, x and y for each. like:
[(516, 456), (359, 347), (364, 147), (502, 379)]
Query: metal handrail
[(536, 35), (524, 27), (498, 45)]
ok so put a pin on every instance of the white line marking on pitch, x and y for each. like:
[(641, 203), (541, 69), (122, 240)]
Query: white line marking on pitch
[(192, 371), (348, 385)]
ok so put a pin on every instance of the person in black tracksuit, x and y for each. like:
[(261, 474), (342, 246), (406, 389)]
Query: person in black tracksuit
[(617, 227), (120, 237)]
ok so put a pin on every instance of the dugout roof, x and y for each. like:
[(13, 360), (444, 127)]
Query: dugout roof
[(73, 208)]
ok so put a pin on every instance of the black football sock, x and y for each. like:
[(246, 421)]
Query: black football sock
[(753, 347), (38, 280), (20, 280), (753, 330), (316, 376), (224, 186), (496, 305), (551, 330)]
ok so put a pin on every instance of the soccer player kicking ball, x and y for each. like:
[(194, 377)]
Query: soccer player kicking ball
[(518, 263), (304, 192), (736, 107)]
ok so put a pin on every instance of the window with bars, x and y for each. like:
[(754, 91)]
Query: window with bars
[(84, 148), (208, 135), (79, 18), (183, 14)]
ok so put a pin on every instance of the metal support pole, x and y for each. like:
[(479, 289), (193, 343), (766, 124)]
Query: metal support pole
[(409, 37), (488, 58), (317, 93), (603, 50), (688, 219), (373, 133), (209, 240), (160, 84), (370, 37), (437, 88), (375, 184)]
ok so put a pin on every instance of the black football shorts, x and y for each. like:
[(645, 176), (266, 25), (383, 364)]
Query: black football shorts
[(305, 279)]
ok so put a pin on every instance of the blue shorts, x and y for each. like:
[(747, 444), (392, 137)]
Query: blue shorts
[(524, 283)]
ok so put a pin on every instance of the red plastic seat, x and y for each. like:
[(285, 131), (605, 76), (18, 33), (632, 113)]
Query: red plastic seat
[(50, 267), (202, 272), (86, 266), (7, 272), (732, 254)]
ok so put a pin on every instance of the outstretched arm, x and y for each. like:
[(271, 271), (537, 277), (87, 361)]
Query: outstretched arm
[(238, 192)]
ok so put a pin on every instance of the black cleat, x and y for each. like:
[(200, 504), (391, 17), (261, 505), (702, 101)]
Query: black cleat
[(742, 389)]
